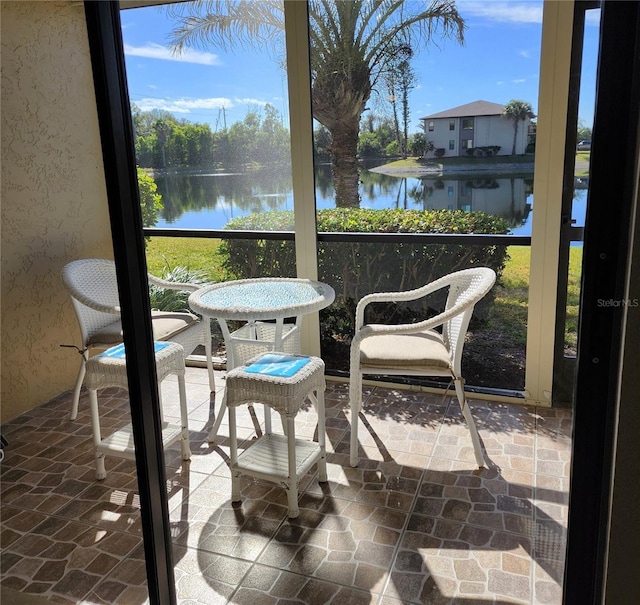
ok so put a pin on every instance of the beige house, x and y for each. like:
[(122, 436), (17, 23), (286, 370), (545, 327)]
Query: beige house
[(471, 127), (55, 209)]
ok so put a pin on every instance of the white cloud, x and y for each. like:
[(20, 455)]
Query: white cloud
[(183, 105), (525, 53), (510, 12), (249, 101), (519, 81), (593, 17), (157, 51)]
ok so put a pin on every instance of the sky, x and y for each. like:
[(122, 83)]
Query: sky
[(498, 62)]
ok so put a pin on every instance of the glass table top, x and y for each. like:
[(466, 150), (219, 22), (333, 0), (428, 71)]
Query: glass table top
[(262, 298)]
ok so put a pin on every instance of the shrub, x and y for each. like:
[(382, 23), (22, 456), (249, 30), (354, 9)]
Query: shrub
[(356, 269), (439, 152), (484, 152)]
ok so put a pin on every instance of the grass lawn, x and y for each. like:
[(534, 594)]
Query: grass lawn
[(462, 161), (582, 162), (196, 254), (513, 293)]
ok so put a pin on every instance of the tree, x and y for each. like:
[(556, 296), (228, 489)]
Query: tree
[(350, 42), (584, 132), (162, 129), (399, 79), (150, 199), (518, 111), (418, 145), (407, 80)]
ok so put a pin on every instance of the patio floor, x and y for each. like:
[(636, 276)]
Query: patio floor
[(416, 522)]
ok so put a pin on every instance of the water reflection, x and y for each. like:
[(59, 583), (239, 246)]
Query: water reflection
[(210, 200), (509, 198)]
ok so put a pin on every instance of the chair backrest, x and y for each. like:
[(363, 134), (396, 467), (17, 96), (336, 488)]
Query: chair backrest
[(466, 286), (93, 288)]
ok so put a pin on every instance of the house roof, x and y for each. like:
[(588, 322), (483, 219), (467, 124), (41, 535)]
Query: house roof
[(476, 108)]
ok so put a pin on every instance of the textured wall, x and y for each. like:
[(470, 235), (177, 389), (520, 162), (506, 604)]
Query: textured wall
[(54, 206)]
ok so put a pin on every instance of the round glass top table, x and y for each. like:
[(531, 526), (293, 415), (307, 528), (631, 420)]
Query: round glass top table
[(263, 304), (261, 298)]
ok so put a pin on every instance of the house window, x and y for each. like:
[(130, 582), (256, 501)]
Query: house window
[(467, 124), (452, 144), (450, 192), (430, 126), (467, 144), (452, 124)]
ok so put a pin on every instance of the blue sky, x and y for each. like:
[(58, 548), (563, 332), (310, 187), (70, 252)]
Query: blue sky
[(498, 62)]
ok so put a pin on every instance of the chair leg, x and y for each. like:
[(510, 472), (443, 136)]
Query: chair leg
[(101, 472), (473, 430), (76, 391), (355, 397), (184, 417), (233, 456)]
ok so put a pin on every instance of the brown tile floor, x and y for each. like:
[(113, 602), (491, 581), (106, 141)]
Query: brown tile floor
[(414, 523)]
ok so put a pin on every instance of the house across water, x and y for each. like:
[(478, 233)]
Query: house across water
[(478, 128)]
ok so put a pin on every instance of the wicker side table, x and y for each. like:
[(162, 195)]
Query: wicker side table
[(109, 369), (281, 382)]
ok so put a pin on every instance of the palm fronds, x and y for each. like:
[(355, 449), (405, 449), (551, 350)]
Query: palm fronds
[(163, 299)]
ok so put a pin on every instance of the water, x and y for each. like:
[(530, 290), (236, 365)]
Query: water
[(209, 200)]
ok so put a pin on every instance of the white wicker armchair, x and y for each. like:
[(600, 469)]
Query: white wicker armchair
[(93, 288), (418, 349)]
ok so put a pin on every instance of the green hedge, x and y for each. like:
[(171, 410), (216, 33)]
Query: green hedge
[(356, 269)]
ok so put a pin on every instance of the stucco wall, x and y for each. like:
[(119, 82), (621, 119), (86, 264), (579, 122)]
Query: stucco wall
[(54, 206), (441, 135), (496, 130)]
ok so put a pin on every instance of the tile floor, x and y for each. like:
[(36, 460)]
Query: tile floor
[(416, 522)]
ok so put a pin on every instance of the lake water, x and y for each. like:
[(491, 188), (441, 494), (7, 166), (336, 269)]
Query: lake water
[(209, 200)]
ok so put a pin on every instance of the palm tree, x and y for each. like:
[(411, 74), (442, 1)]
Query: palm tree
[(163, 129), (518, 111), (352, 44)]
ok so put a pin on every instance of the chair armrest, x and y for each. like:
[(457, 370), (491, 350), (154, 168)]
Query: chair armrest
[(427, 324), (172, 285), (96, 306), (371, 329), (396, 297)]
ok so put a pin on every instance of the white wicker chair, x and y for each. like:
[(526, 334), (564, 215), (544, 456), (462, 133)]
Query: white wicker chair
[(418, 349), (93, 288)]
